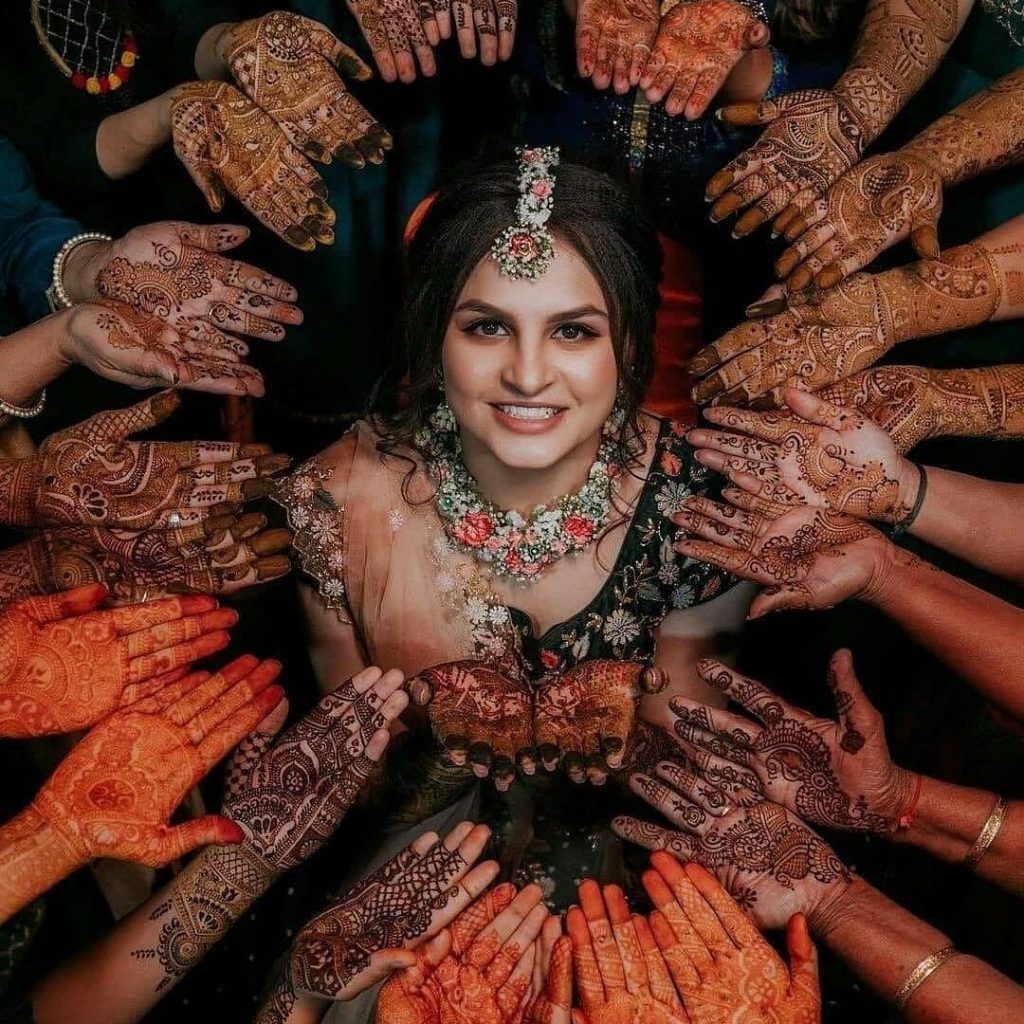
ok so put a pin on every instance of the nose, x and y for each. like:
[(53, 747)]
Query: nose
[(527, 371)]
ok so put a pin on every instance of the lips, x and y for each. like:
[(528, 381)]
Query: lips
[(529, 412)]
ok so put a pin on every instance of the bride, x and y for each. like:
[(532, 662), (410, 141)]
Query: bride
[(506, 502)]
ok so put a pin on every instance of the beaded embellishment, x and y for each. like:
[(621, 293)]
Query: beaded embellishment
[(525, 249)]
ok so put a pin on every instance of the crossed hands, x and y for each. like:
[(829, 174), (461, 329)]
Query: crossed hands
[(581, 720), (682, 57)]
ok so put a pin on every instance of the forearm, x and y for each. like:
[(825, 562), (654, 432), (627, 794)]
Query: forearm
[(282, 1006), (31, 358), (18, 487), (32, 860), (980, 637), (883, 943), (126, 140), (25, 569), (901, 43), (122, 977), (208, 61), (948, 820), (983, 134), (976, 520)]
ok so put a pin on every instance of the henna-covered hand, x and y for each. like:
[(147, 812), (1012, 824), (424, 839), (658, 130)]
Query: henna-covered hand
[(372, 929), (396, 29), (583, 719), (773, 865), (92, 474), (65, 663), (874, 205), (614, 40), (838, 774), (620, 975), (831, 457), (175, 272), (229, 144), (290, 794), (113, 795), (487, 27), (699, 42), (484, 977), (552, 977), (912, 403), (804, 558), (812, 137), (722, 966), (480, 715), (824, 337), (141, 349), (286, 63), (221, 556)]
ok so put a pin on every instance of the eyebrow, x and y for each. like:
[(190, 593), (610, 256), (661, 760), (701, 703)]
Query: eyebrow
[(476, 306)]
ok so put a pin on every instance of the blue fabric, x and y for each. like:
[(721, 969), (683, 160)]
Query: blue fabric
[(31, 232)]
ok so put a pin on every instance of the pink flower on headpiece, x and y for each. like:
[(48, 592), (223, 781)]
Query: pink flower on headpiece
[(541, 189), (531, 156), (523, 246)]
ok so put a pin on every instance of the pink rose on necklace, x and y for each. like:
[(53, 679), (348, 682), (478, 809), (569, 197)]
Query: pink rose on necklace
[(474, 529), (513, 562), (581, 530)]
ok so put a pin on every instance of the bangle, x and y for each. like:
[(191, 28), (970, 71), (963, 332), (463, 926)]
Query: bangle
[(909, 814), (988, 833), (907, 521), (21, 413), (927, 967), (56, 294)]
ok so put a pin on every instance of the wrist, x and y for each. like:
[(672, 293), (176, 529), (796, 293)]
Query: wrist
[(909, 480), (33, 858), (843, 904), (82, 268), (64, 338), (880, 584), (210, 60)]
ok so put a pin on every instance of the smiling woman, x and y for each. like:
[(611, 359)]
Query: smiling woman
[(507, 503)]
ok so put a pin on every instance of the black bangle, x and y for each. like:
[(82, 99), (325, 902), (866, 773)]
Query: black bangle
[(908, 520)]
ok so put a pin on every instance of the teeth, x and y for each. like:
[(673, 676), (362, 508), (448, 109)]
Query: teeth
[(528, 412)]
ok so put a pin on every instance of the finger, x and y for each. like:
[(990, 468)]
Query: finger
[(253, 280), (471, 922), (736, 731), (345, 59), (684, 974), (559, 980), (134, 618), (487, 30), (226, 704), (53, 607), (231, 731), (707, 529), (726, 514), (653, 837), (734, 444), (180, 840), (462, 13), (746, 337), (620, 72), (178, 631), (765, 209), (627, 942), (858, 716), (662, 84), (703, 795), (924, 237), (491, 938), (736, 786), (682, 812), (507, 960), (508, 15), (766, 706), (765, 510), (804, 988), (769, 426), (808, 243), (697, 907), (587, 36), (588, 975), (735, 923), (602, 941), (211, 237), (659, 979), (680, 910), (637, 64), (512, 996), (680, 94), (171, 658), (730, 560), (743, 193), (705, 89)]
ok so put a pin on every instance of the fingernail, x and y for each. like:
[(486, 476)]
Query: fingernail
[(258, 488)]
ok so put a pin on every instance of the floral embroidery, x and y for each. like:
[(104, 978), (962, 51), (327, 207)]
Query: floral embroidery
[(318, 524)]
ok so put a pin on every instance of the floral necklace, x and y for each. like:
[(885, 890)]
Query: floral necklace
[(508, 543)]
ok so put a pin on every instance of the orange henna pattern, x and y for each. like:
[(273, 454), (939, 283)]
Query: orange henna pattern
[(614, 39), (64, 664)]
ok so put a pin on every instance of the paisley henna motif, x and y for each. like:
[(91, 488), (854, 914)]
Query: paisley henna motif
[(92, 474), (228, 143), (285, 64)]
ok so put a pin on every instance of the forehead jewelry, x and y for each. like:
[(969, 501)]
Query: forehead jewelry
[(525, 249)]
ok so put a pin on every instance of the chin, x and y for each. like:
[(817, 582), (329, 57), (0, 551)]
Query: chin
[(531, 453)]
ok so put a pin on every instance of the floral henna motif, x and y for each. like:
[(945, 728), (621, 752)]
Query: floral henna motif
[(395, 30), (222, 555), (174, 271), (614, 40), (583, 718), (92, 474), (285, 63), (226, 142), (697, 46), (912, 403), (64, 664), (820, 340), (478, 713)]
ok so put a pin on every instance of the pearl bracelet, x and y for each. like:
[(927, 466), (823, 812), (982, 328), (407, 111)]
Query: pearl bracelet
[(56, 294), (24, 413)]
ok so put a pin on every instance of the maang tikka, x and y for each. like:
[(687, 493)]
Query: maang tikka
[(525, 249)]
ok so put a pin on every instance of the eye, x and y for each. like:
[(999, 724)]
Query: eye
[(487, 328), (575, 332)]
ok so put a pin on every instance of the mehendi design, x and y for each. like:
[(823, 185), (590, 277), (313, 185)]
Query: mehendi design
[(912, 403), (697, 46), (226, 142), (614, 40), (285, 63), (824, 338), (92, 474), (65, 664)]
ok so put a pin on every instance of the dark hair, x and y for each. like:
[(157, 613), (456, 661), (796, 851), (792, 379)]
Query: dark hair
[(591, 212)]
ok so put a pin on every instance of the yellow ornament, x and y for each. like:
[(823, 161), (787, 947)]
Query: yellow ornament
[(114, 80), (92, 86), (128, 59)]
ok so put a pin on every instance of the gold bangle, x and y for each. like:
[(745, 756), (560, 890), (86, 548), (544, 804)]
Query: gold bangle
[(924, 970), (988, 833)]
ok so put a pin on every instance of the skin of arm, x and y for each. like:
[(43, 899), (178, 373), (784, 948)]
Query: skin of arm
[(883, 943), (128, 139), (32, 358), (334, 646)]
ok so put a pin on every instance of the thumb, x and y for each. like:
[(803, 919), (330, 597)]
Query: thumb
[(778, 599), (757, 35), (119, 424), (747, 114), (212, 237), (63, 606), (804, 989), (852, 702), (179, 840), (421, 692), (382, 963), (427, 960), (924, 236)]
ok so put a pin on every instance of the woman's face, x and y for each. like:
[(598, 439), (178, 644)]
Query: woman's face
[(529, 367)]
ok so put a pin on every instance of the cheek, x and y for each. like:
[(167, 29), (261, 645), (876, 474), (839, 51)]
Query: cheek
[(594, 377)]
